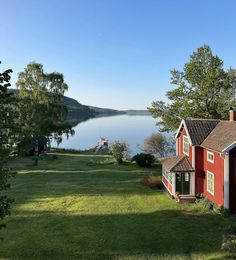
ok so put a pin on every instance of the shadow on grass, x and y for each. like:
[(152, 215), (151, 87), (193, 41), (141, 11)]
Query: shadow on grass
[(34, 186), (65, 178), (161, 233)]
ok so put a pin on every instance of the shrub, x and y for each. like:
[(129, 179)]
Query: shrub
[(152, 182), (205, 204), (229, 239), (144, 159), (119, 150), (229, 243)]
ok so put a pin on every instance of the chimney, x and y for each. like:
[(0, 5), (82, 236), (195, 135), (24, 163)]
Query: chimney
[(232, 114)]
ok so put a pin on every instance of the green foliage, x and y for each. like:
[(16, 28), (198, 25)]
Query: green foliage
[(203, 90), (119, 150), (144, 159), (42, 113), (229, 239), (204, 204), (7, 133)]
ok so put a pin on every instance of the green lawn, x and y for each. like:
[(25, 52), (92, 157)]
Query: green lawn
[(85, 207)]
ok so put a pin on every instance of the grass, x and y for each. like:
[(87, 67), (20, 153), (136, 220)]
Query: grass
[(87, 207)]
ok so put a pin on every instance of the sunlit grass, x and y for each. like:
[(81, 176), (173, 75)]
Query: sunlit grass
[(88, 207)]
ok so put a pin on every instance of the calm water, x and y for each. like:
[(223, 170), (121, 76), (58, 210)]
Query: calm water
[(131, 129)]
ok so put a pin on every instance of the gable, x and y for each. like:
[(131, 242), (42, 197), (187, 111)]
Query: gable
[(183, 127), (197, 129)]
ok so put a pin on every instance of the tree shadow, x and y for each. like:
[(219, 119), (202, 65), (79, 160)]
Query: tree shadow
[(161, 233), (61, 179)]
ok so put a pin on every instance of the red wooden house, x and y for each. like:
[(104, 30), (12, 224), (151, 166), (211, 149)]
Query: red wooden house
[(205, 161)]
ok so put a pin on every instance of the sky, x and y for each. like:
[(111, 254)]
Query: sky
[(114, 53)]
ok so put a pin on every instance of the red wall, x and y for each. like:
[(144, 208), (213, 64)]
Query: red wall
[(167, 184), (217, 168), (199, 172), (180, 145), (201, 168)]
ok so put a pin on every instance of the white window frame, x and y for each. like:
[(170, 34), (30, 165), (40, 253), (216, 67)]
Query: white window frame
[(213, 183), (184, 140), (208, 159)]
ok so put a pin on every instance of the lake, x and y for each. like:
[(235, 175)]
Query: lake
[(131, 129)]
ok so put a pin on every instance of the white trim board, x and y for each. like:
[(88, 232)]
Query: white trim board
[(186, 129), (230, 147), (226, 181)]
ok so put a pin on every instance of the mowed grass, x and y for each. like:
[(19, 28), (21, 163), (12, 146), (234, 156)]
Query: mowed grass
[(86, 207)]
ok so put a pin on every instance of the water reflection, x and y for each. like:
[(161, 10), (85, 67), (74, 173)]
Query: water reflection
[(131, 129)]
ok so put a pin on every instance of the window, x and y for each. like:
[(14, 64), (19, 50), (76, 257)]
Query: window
[(210, 157), (186, 176), (210, 182), (186, 145), (168, 175)]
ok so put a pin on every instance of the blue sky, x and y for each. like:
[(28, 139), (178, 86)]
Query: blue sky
[(114, 53)]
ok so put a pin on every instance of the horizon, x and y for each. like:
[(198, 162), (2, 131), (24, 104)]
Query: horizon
[(114, 54)]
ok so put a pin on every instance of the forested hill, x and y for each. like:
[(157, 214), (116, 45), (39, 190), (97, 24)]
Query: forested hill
[(77, 110)]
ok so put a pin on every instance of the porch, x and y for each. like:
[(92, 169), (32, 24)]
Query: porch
[(178, 178)]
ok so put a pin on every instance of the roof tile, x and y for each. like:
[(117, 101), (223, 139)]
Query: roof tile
[(178, 163), (222, 136), (199, 129)]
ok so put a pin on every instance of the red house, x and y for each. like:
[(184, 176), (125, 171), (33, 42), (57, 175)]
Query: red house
[(205, 161)]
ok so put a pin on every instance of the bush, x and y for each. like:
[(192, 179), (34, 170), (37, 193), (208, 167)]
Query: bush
[(229, 239), (144, 159), (229, 243), (205, 204), (152, 182), (119, 150)]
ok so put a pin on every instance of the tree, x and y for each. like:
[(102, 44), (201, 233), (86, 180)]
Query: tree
[(203, 90), (42, 113), (7, 129), (144, 159), (158, 144), (119, 150)]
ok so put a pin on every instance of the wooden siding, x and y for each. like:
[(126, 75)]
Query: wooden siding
[(167, 184), (199, 172), (217, 168), (180, 145)]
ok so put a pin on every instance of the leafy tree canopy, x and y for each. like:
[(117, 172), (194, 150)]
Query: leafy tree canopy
[(202, 90), (41, 109), (120, 150), (7, 132)]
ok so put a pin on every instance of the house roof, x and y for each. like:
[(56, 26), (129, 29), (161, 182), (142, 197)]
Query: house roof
[(198, 129), (178, 163), (222, 138)]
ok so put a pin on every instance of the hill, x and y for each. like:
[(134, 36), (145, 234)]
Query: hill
[(77, 110), (133, 112)]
